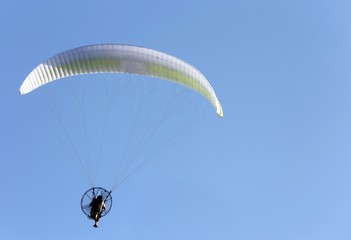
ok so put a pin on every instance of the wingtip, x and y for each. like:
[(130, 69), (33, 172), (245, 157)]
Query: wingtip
[(220, 110)]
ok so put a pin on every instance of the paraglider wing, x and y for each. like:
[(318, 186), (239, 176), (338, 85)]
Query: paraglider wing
[(114, 58)]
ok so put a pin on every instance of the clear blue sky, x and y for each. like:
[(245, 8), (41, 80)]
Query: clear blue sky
[(277, 166)]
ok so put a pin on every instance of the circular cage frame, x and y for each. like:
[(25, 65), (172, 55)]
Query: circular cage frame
[(94, 192)]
